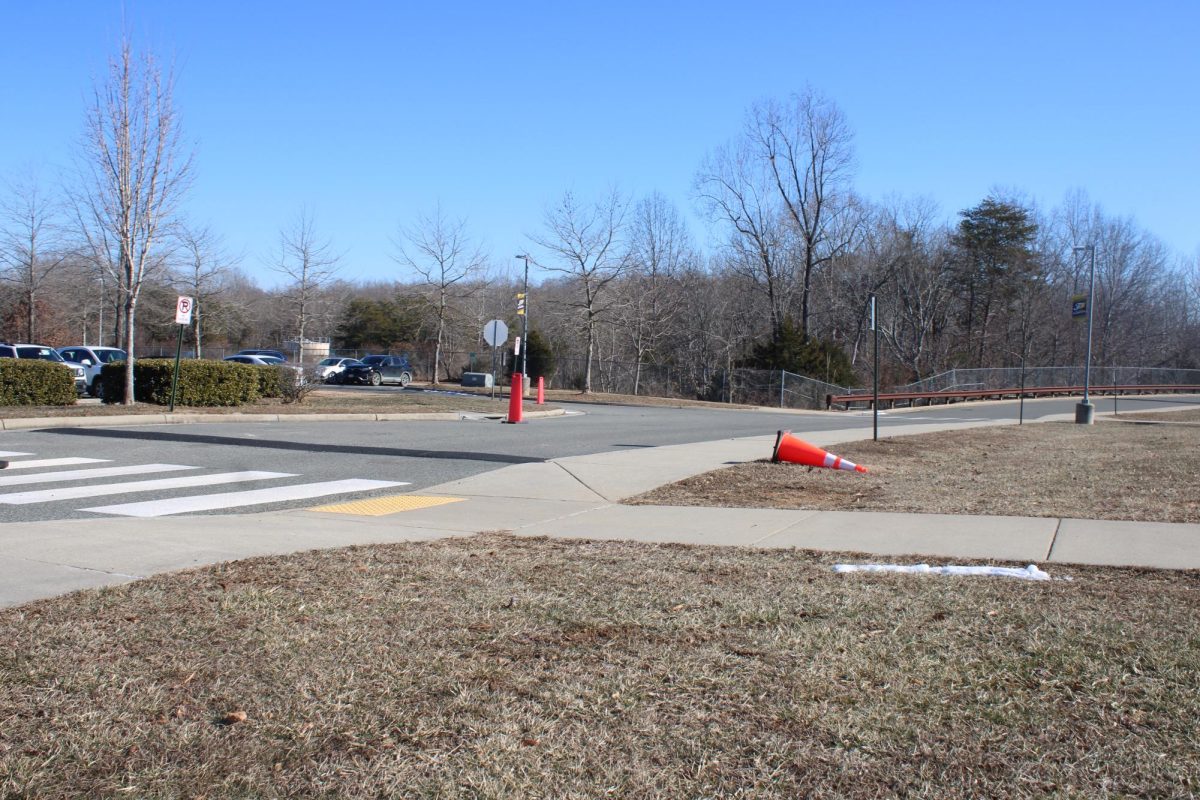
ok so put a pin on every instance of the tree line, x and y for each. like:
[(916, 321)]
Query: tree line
[(793, 254)]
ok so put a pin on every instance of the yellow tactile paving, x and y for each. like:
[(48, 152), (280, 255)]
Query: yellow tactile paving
[(381, 506)]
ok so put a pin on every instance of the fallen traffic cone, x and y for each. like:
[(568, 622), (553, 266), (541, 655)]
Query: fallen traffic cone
[(797, 451)]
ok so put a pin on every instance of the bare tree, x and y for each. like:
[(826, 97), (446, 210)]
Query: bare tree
[(443, 256), (136, 171), (659, 251), (1190, 268), (913, 274), (310, 264), (806, 147), (734, 190), (1129, 261), (203, 270), (32, 244), (585, 244)]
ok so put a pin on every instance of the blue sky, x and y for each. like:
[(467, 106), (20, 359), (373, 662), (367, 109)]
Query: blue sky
[(369, 113)]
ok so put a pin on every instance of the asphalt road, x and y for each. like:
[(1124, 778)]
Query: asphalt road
[(407, 455)]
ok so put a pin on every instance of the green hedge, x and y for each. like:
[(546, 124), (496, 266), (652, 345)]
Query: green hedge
[(270, 379), (33, 382), (201, 382)]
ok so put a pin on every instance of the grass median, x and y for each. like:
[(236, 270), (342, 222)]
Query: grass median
[(1110, 470)]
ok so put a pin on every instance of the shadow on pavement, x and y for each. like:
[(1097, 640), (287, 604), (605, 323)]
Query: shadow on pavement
[(308, 447)]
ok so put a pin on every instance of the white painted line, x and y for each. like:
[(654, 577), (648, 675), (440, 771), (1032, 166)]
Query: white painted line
[(103, 489), (212, 502), (10, 454), (38, 463), (84, 474)]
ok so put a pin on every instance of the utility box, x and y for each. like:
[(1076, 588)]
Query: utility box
[(483, 379)]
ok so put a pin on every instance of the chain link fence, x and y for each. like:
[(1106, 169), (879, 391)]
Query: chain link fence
[(761, 387), (1039, 377)]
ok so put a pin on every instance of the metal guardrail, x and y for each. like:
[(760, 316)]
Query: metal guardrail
[(889, 399)]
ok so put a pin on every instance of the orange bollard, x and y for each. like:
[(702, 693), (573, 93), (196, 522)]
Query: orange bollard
[(797, 451), (541, 401), (515, 388)]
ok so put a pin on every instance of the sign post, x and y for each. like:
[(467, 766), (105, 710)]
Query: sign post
[(495, 333), (1085, 411), (875, 378), (183, 318)]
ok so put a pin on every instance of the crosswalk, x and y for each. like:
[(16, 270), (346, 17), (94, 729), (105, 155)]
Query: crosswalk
[(89, 478)]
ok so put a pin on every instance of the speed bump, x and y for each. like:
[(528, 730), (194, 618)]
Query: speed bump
[(382, 506)]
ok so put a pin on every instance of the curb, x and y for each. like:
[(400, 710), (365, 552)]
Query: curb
[(26, 423)]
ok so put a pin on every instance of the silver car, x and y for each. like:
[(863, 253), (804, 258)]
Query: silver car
[(92, 358)]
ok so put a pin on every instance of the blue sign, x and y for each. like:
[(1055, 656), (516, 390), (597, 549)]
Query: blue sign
[(1079, 305)]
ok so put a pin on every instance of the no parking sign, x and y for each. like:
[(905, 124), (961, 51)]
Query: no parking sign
[(183, 310)]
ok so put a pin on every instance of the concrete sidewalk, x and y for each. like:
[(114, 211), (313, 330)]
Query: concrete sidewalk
[(579, 498), (571, 498)]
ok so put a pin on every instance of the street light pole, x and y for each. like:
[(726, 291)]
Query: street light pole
[(1085, 411), (525, 322)]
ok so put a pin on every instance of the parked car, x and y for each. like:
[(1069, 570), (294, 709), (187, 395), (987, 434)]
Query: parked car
[(267, 361), (92, 358), (271, 353), (339, 376), (329, 367), (378, 369), (256, 360), (44, 353)]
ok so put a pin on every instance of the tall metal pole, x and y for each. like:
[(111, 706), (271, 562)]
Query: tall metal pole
[(875, 400), (1087, 367), (1021, 413), (525, 322), (1084, 411)]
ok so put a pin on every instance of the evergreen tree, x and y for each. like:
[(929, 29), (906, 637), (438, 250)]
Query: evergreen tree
[(369, 323), (539, 356), (996, 259), (792, 351)]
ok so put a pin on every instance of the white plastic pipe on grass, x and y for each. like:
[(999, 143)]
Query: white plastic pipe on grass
[(1029, 573)]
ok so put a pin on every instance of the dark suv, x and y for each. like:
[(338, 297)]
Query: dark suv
[(378, 369)]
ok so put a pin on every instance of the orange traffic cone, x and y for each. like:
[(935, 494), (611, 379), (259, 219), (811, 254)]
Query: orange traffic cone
[(798, 451)]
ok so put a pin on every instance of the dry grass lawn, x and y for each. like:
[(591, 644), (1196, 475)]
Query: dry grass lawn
[(1191, 415), (514, 668), (1111, 470)]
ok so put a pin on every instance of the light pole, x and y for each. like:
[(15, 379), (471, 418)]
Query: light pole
[(1085, 411), (523, 310)]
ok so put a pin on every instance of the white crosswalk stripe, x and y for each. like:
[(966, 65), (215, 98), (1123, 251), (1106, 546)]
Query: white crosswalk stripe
[(89, 483), (254, 497), (86, 474), (11, 454), (41, 463), (158, 484)]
